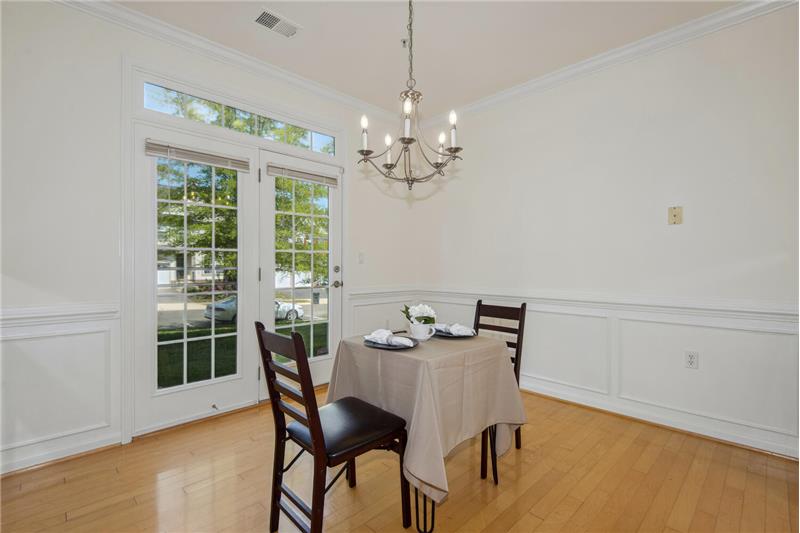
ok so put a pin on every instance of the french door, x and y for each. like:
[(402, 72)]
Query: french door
[(301, 254), (196, 277)]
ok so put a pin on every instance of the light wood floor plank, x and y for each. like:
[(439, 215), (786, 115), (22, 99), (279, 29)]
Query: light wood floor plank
[(579, 470)]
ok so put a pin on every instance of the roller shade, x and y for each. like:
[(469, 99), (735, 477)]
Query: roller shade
[(279, 170), (159, 149)]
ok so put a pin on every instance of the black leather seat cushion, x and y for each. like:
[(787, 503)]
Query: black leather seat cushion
[(347, 424)]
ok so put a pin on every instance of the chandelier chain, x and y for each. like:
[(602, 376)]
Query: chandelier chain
[(411, 81)]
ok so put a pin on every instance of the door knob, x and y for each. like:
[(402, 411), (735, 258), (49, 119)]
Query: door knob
[(337, 284)]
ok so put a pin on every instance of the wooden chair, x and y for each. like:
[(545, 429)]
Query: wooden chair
[(508, 313), (334, 434)]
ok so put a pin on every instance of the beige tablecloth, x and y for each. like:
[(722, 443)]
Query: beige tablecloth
[(447, 390)]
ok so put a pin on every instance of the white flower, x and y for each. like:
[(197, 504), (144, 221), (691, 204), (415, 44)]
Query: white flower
[(421, 310)]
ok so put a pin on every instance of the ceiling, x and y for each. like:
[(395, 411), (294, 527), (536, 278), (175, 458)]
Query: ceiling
[(463, 51)]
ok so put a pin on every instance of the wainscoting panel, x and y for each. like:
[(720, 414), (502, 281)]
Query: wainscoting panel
[(628, 356), (743, 377), (60, 382), (570, 350)]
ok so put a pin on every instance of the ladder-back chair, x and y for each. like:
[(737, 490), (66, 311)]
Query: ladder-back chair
[(504, 313), (334, 434)]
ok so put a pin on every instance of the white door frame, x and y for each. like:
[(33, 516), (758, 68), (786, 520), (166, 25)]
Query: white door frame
[(136, 71), (158, 408), (321, 366)]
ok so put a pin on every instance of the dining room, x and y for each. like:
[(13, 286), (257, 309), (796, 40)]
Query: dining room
[(407, 265)]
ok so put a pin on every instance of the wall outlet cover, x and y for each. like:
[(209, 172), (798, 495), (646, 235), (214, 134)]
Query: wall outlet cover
[(692, 359)]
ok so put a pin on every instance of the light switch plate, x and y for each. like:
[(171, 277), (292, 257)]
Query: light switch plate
[(675, 215)]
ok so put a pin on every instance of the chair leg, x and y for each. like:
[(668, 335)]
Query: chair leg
[(405, 489), (277, 480), (518, 438), (484, 439), (318, 496), (493, 443), (351, 473)]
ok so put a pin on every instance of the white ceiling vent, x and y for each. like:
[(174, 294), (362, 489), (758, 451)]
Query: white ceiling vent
[(278, 24)]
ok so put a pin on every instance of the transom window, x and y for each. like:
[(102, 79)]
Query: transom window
[(302, 251), (179, 104), (197, 272)]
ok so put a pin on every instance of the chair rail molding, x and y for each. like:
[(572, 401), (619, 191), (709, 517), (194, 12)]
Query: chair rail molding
[(57, 314), (625, 354), (61, 381)]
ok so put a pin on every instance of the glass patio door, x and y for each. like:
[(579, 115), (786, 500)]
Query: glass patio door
[(196, 239), (300, 220)]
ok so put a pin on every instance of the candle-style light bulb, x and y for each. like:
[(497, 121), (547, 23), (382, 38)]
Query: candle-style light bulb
[(442, 138), (364, 139), (453, 118), (388, 141), (407, 120)]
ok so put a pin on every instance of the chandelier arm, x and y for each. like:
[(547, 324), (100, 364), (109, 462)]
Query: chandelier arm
[(385, 174), (424, 140), (425, 156)]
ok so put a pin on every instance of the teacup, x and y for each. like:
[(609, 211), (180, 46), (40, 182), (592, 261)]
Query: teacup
[(422, 332)]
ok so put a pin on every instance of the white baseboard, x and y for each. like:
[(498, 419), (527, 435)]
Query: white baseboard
[(781, 443)]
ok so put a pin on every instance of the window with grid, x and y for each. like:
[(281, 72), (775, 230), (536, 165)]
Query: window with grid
[(183, 105), (302, 251), (197, 272)]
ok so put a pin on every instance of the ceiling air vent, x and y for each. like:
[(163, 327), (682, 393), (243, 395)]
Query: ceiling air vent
[(277, 24)]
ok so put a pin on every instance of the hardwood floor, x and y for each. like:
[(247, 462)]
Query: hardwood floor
[(579, 470)]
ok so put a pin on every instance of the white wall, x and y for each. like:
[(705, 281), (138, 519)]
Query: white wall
[(564, 192), (62, 135), (573, 185)]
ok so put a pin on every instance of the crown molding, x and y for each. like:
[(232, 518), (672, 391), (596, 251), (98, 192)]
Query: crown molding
[(158, 29), (688, 31)]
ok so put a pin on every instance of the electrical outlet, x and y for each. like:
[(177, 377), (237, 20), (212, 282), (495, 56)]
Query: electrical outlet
[(692, 359), (675, 215)]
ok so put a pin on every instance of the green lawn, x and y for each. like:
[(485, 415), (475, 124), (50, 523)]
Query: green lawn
[(320, 341), (198, 352), (198, 361)]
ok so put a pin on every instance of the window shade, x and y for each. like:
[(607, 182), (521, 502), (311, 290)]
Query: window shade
[(159, 149), (277, 170)]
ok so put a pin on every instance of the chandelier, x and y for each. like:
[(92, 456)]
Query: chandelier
[(398, 165)]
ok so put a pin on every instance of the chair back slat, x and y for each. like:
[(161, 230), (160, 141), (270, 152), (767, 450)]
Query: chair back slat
[(281, 345), (306, 413), (288, 390), (502, 329), (499, 311), (504, 313), (284, 370), (293, 412)]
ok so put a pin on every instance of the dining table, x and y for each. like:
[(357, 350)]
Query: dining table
[(448, 390)]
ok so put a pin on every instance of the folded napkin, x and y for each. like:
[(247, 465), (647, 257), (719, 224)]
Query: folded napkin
[(456, 329), (384, 336)]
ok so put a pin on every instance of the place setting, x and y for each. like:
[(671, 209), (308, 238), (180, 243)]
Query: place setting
[(422, 326)]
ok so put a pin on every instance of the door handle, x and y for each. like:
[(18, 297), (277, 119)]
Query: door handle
[(337, 284)]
